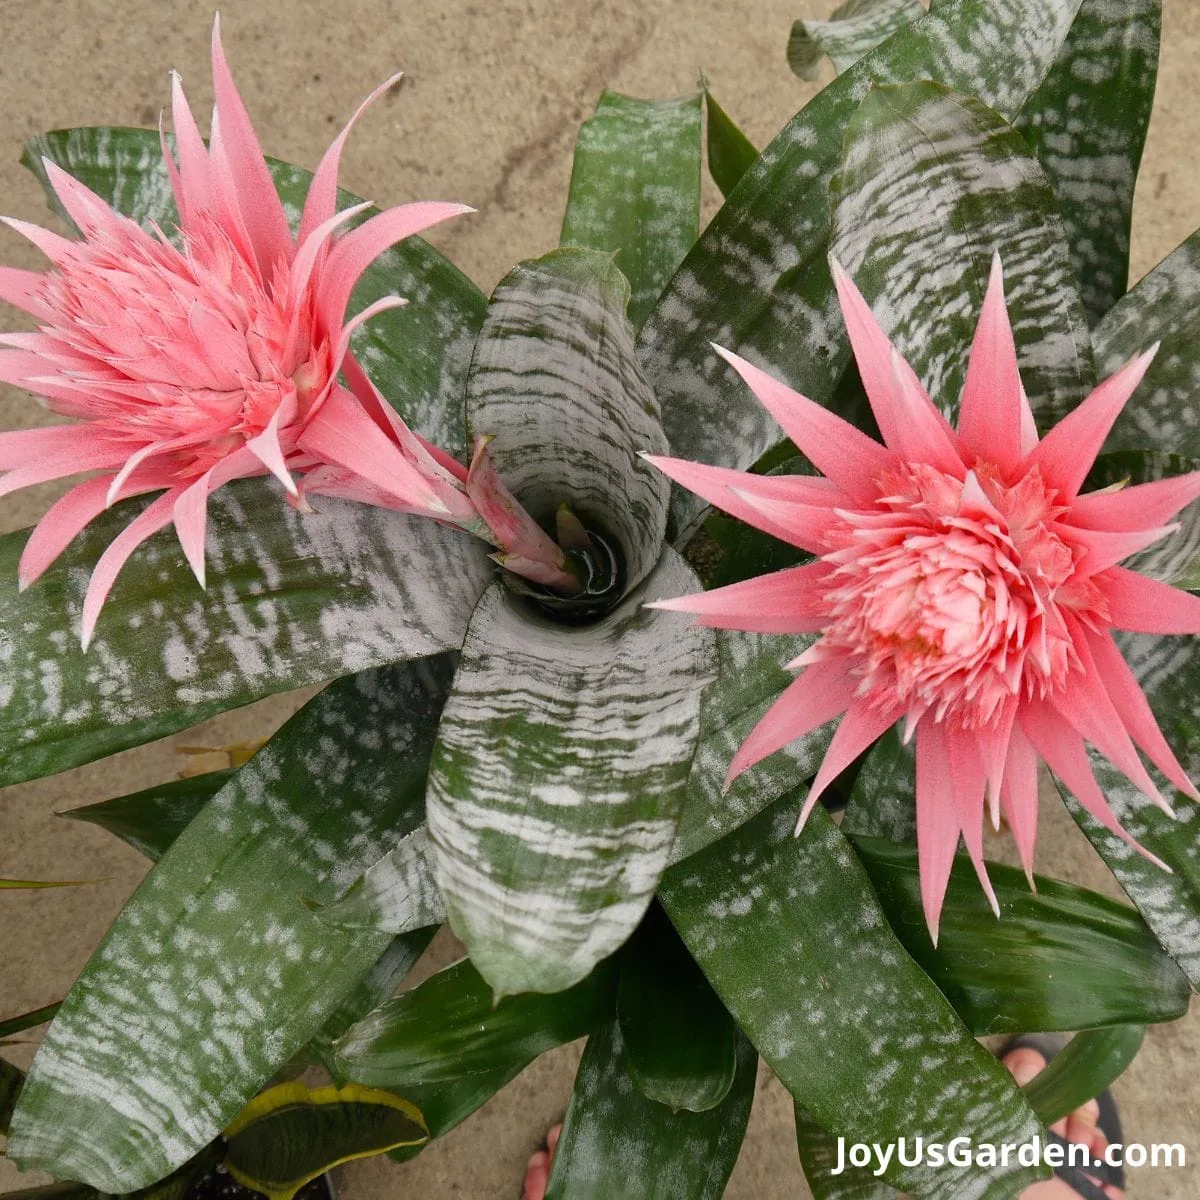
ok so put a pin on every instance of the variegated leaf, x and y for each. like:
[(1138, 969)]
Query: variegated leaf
[(560, 770), (292, 599), (883, 801), (829, 1176), (555, 381), (750, 677), (1168, 670), (854, 28), (730, 151), (635, 189), (397, 894), (417, 356), (1163, 307), (616, 1142), (1087, 123), (790, 935), (757, 282), (216, 973), (930, 185)]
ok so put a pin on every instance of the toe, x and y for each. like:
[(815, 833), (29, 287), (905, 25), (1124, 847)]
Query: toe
[(537, 1176), (1024, 1063)]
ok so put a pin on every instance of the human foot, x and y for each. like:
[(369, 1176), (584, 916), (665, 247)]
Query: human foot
[(537, 1172)]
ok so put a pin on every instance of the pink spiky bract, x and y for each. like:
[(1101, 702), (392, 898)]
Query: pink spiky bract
[(186, 364), (961, 583)]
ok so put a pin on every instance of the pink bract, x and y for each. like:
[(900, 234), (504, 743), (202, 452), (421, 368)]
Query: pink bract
[(188, 364), (962, 584)]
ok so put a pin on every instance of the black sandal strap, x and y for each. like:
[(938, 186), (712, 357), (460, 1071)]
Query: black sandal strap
[(1085, 1185)]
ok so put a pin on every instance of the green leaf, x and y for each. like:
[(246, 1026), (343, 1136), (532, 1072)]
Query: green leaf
[(292, 1133), (376, 986), (396, 895), (29, 1020), (12, 1079), (1087, 123), (292, 599), (616, 1142), (730, 151), (820, 1159), (854, 28), (635, 189), (791, 936), (450, 1026), (1083, 1069), (680, 1042), (150, 820), (555, 380), (1164, 306), (930, 185), (215, 974), (757, 281), (1176, 559), (1059, 958), (1168, 670), (883, 802), (416, 356), (559, 775)]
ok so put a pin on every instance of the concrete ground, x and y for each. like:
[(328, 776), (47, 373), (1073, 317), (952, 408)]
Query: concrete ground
[(493, 96)]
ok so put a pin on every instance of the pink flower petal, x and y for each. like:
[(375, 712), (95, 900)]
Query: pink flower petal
[(257, 198), (1019, 797), (1140, 507), (787, 601), (56, 248), (994, 409), (937, 821), (908, 420), (89, 213), (321, 201), (24, 289), (1106, 548), (967, 782), (154, 517), (72, 460), (1134, 711), (1144, 605), (355, 252), (803, 525), (19, 446), (190, 512), (194, 193), (1066, 454), (823, 692), (836, 448)]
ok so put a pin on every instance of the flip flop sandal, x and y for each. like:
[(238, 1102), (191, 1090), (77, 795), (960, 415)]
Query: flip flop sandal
[(1108, 1122)]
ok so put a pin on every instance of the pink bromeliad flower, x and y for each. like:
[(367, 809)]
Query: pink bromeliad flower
[(962, 584), (190, 363)]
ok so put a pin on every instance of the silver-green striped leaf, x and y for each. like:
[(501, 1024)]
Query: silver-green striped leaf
[(216, 973), (854, 28), (1169, 671), (617, 1143), (829, 1176), (292, 599), (397, 894), (417, 356), (1087, 124), (930, 185), (555, 381), (792, 937), (1164, 307), (757, 282), (559, 774), (635, 189)]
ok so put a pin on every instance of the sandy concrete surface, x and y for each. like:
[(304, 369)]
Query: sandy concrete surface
[(493, 96)]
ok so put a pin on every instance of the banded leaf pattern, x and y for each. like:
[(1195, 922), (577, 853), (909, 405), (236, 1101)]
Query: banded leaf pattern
[(417, 356), (820, 1159), (1168, 670), (560, 770), (757, 282), (292, 599), (397, 894), (931, 184), (216, 973), (1087, 123), (635, 189), (555, 381), (616, 1142), (1165, 307), (790, 935), (854, 28)]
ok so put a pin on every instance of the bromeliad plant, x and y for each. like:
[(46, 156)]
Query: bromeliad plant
[(525, 738)]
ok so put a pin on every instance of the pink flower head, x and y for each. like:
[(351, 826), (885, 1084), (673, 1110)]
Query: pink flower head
[(962, 583), (187, 364)]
